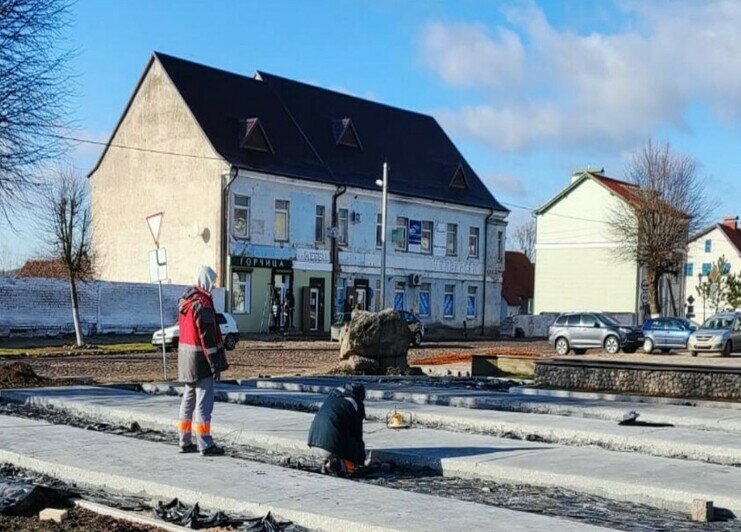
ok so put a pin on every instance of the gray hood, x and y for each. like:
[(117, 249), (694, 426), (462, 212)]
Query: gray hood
[(206, 278)]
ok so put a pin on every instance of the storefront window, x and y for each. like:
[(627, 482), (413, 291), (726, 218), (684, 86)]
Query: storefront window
[(424, 300), (449, 301), (241, 292), (399, 296), (471, 302)]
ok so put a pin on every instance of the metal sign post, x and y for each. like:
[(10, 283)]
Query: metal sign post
[(158, 273)]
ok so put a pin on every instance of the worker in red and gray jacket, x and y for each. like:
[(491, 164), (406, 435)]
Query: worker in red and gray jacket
[(201, 360)]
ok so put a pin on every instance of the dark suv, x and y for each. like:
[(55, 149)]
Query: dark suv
[(592, 330)]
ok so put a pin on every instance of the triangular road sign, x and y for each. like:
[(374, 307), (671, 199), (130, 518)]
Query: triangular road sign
[(155, 224)]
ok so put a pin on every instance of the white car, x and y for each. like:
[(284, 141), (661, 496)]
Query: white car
[(227, 324)]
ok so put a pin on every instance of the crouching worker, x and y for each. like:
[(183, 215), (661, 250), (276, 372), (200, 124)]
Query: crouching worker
[(336, 434), (201, 360)]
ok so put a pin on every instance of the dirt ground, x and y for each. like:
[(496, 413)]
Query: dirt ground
[(78, 519), (251, 358)]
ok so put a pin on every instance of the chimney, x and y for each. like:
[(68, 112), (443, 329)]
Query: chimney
[(731, 221)]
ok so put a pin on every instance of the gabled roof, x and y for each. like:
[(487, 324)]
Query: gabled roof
[(300, 122), (622, 189), (733, 235), (518, 280)]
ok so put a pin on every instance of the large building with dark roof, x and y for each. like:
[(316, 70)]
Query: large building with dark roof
[(273, 182)]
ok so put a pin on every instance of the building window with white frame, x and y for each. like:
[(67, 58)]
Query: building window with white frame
[(241, 216), (319, 225), (379, 230), (425, 245), (241, 292), (473, 242), (399, 289), (342, 224), (424, 300), (281, 220), (471, 302), (402, 234), (500, 246), (451, 242), (449, 301)]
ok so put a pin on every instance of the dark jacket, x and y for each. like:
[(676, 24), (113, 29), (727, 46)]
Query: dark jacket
[(338, 427), (200, 346)]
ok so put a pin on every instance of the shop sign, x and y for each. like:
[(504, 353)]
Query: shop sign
[(259, 262), (312, 255)]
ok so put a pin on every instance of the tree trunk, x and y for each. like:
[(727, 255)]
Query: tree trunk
[(75, 312), (653, 292)]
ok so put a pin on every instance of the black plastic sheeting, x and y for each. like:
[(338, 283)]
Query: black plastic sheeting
[(192, 517), (23, 499)]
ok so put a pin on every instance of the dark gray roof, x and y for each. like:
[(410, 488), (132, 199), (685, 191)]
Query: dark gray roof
[(301, 124)]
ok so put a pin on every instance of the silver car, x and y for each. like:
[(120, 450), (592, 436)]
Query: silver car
[(719, 334), (592, 330)]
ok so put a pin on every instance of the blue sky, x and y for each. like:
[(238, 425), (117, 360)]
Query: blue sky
[(528, 91)]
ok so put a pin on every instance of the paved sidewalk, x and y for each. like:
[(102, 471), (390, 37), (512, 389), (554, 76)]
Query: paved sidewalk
[(662, 482), (314, 501)]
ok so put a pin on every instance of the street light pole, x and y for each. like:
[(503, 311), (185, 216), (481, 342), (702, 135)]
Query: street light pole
[(384, 209), (699, 284)]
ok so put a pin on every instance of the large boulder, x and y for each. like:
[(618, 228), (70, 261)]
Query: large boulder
[(373, 342)]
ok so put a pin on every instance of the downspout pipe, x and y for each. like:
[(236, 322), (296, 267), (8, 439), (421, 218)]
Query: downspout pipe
[(233, 173), (341, 189), (486, 257)]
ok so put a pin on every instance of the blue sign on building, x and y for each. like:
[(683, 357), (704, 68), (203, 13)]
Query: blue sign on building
[(415, 236)]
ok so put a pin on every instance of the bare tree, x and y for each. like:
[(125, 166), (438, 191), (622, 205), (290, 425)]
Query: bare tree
[(34, 90), (69, 227), (523, 238), (666, 205)]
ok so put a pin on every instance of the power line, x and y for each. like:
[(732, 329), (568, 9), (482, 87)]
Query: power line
[(531, 209)]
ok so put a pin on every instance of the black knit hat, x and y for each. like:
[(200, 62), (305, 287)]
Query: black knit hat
[(355, 389)]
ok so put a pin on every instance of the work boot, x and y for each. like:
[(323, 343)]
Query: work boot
[(213, 450), (190, 448)]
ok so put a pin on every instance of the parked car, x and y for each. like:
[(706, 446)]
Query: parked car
[(720, 333), (666, 334), (227, 324), (592, 330), (415, 325)]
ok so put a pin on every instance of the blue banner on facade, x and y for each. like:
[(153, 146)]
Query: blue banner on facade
[(415, 235), (424, 303)]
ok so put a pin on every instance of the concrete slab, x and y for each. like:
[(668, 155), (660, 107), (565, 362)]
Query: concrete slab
[(705, 417), (661, 482), (714, 447), (317, 502)]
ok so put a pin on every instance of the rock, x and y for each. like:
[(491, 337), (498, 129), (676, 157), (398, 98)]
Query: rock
[(53, 514), (375, 341), (702, 511)]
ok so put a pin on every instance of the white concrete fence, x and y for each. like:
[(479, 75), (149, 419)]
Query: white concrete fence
[(41, 307)]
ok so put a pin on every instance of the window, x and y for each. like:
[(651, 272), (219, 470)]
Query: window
[(588, 320), (708, 245), (500, 246), (241, 216), (402, 242), (281, 221), (451, 242), (241, 292), (471, 302), (706, 268), (561, 320), (688, 269), (424, 299), (319, 225), (574, 320), (379, 230), (473, 242), (726, 268), (449, 301), (399, 296), (342, 227), (425, 245)]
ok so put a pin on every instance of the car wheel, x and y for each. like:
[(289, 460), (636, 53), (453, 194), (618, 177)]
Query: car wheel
[(648, 346), (580, 351), (612, 345), (562, 346), (417, 341), (727, 349), (230, 342)]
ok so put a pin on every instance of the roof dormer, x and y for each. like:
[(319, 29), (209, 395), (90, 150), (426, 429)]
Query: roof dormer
[(253, 137), (459, 180), (345, 134)]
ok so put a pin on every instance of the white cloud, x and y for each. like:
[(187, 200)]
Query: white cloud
[(612, 90)]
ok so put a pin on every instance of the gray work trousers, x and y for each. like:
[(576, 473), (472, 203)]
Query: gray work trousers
[(195, 413)]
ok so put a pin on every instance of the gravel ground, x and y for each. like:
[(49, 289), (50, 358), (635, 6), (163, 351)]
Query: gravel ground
[(252, 358)]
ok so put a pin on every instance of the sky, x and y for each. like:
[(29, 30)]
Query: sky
[(528, 91)]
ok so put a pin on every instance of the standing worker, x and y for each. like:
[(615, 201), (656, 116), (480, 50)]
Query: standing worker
[(201, 360), (336, 434)]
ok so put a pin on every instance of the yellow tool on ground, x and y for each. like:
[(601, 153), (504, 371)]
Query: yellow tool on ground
[(398, 420)]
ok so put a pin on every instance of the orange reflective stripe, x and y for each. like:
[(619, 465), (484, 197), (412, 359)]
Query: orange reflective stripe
[(349, 466), (185, 425), (203, 429)]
